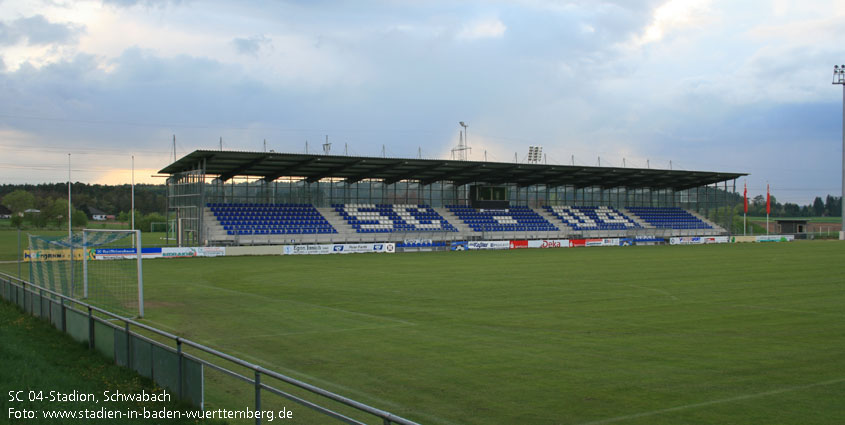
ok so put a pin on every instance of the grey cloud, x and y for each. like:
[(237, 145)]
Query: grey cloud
[(37, 30), (145, 3), (250, 45)]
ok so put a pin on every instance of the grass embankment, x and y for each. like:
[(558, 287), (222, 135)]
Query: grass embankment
[(36, 359)]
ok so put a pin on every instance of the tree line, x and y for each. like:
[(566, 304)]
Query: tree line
[(831, 206), (51, 201)]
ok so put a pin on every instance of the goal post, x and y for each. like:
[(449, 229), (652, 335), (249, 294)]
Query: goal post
[(91, 237), (102, 266)]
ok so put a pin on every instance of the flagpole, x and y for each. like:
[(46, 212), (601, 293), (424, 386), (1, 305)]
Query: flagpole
[(768, 208), (745, 209)]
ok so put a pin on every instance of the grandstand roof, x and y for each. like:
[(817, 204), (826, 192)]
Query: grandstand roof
[(271, 165)]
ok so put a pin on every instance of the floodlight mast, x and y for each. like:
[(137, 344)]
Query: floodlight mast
[(463, 144), (839, 78)]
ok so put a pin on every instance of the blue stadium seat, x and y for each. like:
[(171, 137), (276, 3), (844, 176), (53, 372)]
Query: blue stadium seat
[(516, 218), (270, 219), (669, 218)]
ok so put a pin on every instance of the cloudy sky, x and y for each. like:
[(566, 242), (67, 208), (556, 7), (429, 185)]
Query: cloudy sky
[(707, 84)]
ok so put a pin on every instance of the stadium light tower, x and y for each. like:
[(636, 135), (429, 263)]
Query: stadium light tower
[(463, 144), (839, 78)]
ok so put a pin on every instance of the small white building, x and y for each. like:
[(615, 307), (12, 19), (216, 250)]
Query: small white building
[(99, 215)]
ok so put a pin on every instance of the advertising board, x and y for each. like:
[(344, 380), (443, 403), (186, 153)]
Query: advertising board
[(549, 243), (776, 238), (477, 245), (458, 246), (594, 242), (518, 244), (358, 248), (122, 253), (697, 240)]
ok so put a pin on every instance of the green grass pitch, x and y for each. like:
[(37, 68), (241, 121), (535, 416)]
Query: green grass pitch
[(717, 334)]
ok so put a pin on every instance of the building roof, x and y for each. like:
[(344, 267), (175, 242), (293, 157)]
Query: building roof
[(271, 166), (96, 211)]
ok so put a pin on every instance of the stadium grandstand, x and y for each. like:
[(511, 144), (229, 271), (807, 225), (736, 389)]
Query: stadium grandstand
[(253, 198)]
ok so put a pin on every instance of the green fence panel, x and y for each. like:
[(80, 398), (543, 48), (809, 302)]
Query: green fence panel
[(5, 290), (120, 348), (104, 339), (56, 312), (166, 368), (77, 325), (141, 356), (27, 302), (192, 382), (45, 307), (21, 298), (36, 305)]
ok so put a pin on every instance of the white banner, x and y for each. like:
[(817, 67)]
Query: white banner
[(357, 248), (488, 245), (201, 251), (697, 240), (551, 243), (122, 253), (776, 238)]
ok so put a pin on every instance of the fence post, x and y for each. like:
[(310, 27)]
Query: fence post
[(30, 299), (179, 359), (64, 315), (257, 398), (90, 328), (128, 346)]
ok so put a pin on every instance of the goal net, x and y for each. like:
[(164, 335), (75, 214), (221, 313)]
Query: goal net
[(101, 267), (163, 227)]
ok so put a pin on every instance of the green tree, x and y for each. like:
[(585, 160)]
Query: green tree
[(17, 220), (38, 219), (144, 223), (818, 207), (19, 201), (78, 218), (56, 211)]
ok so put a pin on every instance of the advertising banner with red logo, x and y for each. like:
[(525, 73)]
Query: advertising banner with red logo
[(594, 242), (519, 244)]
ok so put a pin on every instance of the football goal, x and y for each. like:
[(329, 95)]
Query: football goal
[(100, 266), (168, 227)]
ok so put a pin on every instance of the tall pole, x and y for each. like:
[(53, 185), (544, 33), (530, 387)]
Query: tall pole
[(19, 252), (133, 192), (69, 233), (839, 78), (842, 199)]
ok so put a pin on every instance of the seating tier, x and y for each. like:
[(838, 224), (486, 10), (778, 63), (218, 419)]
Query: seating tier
[(592, 218), (669, 218), (514, 219), (390, 218), (270, 219)]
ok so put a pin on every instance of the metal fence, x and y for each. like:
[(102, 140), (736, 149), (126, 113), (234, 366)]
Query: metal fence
[(151, 353)]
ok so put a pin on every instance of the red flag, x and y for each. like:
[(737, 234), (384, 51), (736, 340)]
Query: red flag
[(768, 201), (745, 197)]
